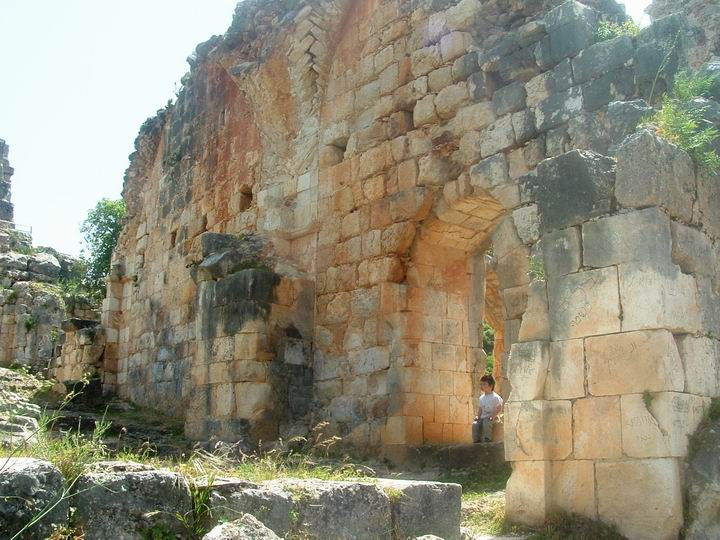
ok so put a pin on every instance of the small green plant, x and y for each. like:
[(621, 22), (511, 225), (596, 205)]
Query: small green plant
[(12, 297), (159, 531), (684, 126), (647, 399), (714, 409), (394, 494), (30, 323), (609, 30), (537, 268)]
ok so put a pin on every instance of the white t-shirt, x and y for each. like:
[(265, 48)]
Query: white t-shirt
[(489, 403)]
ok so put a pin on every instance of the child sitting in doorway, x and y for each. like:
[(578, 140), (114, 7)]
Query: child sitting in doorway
[(490, 406)]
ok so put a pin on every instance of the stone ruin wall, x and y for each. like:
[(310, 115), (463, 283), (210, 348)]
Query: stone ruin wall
[(371, 153)]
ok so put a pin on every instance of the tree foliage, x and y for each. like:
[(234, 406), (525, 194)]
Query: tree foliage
[(100, 232)]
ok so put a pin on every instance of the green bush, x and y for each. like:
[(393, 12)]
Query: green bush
[(684, 126), (609, 30), (101, 230)]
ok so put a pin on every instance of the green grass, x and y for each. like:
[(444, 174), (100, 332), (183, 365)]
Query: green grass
[(685, 127), (609, 30), (575, 527)]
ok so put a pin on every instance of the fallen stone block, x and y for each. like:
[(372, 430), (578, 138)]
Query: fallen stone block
[(29, 487), (129, 497)]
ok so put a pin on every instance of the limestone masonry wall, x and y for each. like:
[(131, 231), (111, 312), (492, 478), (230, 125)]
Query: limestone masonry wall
[(310, 232)]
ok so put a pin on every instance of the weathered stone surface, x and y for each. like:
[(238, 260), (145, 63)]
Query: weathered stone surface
[(652, 171), (558, 108), (642, 498), (509, 99), (622, 119), (490, 172), (28, 487), (499, 136), (129, 497), (700, 356), (245, 528), (573, 188), (527, 368), (331, 509), (597, 428), (658, 296), (643, 235), (660, 428), (691, 250), (561, 252), (424, 508), (633, 362), (526, 494), (584, 304), (14, 261), (272, 505), (45, 264), (616, 85), (602, 58), (535, 325), (537, 430), (572, 488), (702, 485), (567, 12), (566, 370)]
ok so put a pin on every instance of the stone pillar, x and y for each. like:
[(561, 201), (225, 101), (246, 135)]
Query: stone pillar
[(6, 171), (605, 397)]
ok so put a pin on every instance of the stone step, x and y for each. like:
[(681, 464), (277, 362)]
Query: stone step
[(462, 456)]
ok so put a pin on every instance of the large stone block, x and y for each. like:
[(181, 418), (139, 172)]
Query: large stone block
[(662, 427), (526, 494), (656, 296), (572, 488), (643, 235), (691, 250), (561, 252), (509, 99), (597, 428), (567, 12), (569, 39), (538, 430), (499, 136), (652, 171), (633, 362), (129, 497), (573, 188), (642, 498), (535, 321), (602, 58), (558, 108), (701, 362), (29, 489), (527, 369), (566, 370), (584, 304), (622, 119)]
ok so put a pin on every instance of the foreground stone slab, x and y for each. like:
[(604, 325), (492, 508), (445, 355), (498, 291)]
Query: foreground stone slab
[(526, 492), (641, 498), (424, 508), (28, 487), (331, 509), (129, 497), (245, 528)]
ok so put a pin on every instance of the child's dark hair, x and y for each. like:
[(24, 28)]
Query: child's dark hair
[(488, 379)]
